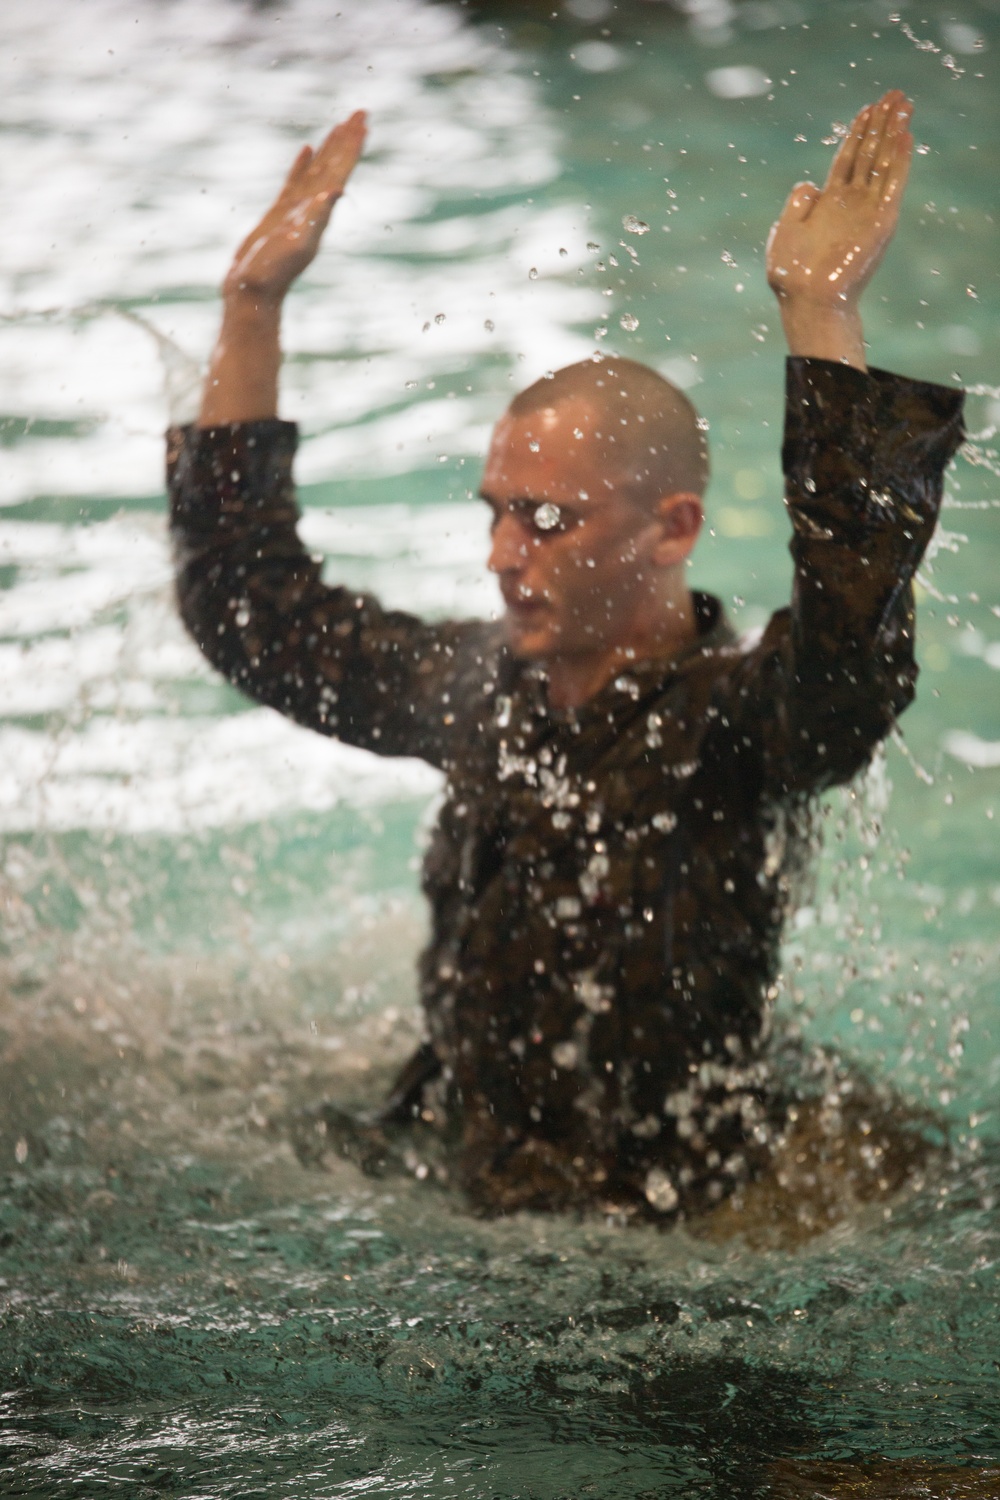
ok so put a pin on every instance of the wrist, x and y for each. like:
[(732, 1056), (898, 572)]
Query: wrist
[(823, 330), (250, 305), (242, 381)]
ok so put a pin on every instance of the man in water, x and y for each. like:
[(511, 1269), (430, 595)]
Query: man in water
[(626, 781)]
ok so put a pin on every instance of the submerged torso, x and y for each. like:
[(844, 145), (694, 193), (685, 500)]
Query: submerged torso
[(607, 886), (606, 900)]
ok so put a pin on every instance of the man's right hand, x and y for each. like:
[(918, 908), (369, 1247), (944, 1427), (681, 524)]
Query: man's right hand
[(242, 384), (287, 238)]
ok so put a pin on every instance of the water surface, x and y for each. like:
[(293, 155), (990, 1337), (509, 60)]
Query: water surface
[(210, 916)]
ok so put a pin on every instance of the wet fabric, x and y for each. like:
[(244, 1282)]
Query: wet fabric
[(607, 884)]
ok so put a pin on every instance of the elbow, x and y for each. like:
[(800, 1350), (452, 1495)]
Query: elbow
[(211, 625), (904, 688)]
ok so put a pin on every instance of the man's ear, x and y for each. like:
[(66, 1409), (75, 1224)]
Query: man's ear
[(680, 517)]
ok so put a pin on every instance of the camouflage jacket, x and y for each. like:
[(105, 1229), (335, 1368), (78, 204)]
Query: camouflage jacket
[(607, 885)]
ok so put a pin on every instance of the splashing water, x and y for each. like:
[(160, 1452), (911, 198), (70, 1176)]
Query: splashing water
[(211, 917)]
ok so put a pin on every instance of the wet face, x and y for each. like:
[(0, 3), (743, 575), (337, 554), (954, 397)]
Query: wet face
[(574, 556)]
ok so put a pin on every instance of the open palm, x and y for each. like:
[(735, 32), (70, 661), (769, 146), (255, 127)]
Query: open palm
[(829, 241), (289, 234)]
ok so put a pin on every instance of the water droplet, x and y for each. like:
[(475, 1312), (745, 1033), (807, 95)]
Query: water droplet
[(592, 245), (439, 317), (702, 424), (534, 446), (629, 322), (562, 251), (411, 385), (21, 1151), (564, 1054), (533, 274), (632, 225), (727, 259), (577, 433), (489, 325), (970, 291), (547, 516), (660, 1191), (923, 149)]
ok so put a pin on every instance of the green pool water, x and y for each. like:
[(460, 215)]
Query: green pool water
[(210, 918)]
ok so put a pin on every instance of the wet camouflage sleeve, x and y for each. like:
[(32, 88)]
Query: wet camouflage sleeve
[(253, 599), (864, 457)]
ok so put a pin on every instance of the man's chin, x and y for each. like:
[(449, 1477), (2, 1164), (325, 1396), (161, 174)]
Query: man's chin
[(528, 638)]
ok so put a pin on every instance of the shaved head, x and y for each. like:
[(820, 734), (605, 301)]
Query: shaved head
[(594, 477), (647, 435)]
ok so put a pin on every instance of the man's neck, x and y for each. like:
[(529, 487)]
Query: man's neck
[(577, 677)]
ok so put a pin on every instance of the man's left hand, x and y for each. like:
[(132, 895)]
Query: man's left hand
[(828, 242)]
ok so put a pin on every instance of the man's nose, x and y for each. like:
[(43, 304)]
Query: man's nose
[(509, 545)]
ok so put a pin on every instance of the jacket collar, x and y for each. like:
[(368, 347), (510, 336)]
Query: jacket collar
[(637, 680)]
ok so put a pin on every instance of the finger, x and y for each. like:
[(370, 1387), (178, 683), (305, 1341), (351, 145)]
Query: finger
[(297, 170), (802, 200), (356, 120), (842, 167), (871, 144), (302, 159), (344, 142), (896, 178), (897, 119), (330, 175), (292, 187), (880, 128), (895, 136)]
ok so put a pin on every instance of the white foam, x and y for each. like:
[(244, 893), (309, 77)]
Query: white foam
[(139, 151), (170, 776), (981, 755), (124, 193), (98, 646)]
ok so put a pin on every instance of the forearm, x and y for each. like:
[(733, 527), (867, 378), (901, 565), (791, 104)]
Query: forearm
[(819, 331), (864, 457), (242, 381), (249, 593), (254, 600)]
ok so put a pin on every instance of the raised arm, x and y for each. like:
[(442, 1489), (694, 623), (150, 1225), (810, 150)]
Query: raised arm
[(249, 593), (864, 457), (242, 384)]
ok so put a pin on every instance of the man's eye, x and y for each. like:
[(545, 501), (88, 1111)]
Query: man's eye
[(547, 517)]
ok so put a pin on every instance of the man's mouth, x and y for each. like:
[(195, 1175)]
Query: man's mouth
[(522, 604)]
